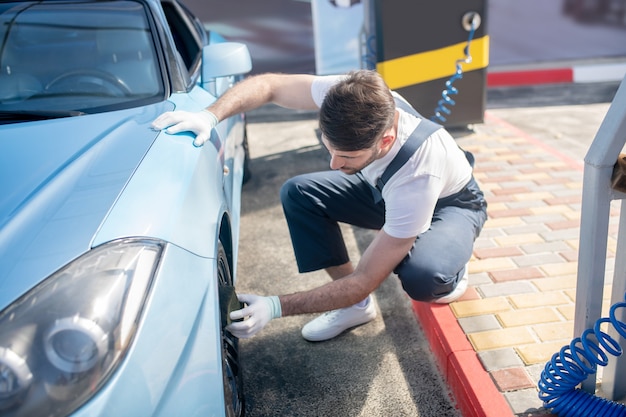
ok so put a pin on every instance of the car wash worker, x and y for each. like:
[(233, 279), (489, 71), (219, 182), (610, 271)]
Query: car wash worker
[(391, 170)]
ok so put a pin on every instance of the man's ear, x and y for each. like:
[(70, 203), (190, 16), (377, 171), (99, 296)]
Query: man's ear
[(387, 139)]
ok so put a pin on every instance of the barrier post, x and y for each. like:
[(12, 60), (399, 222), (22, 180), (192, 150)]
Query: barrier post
[(598, 193), (417, 46)]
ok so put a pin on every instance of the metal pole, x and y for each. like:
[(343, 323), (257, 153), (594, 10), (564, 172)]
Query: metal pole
[(597, 195), (614, 376)]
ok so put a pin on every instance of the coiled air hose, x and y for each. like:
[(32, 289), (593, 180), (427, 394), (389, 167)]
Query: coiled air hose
[(471, 21), (571, 366)]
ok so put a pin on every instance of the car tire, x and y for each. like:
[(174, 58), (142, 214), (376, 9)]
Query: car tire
[(231, 366)]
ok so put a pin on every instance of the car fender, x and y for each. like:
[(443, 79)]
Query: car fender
[(175, 195), (180, 321)]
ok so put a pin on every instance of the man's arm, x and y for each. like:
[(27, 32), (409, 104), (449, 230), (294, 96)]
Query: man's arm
[(377, 262), (286, 90), (291, 91)]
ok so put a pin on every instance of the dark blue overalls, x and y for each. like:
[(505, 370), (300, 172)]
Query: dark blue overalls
[(315, 203)]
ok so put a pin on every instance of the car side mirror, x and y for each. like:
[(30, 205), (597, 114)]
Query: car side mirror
[(223, 60)]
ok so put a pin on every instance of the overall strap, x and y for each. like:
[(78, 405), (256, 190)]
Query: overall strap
[(415, 140)]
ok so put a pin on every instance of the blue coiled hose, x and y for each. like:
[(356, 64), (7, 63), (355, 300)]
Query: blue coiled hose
[(442, 111), (571, 366)]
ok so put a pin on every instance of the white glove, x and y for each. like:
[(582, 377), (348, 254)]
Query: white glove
[(200, 123), (256, 315)]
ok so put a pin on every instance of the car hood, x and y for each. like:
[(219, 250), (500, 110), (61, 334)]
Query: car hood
[(58, 180)]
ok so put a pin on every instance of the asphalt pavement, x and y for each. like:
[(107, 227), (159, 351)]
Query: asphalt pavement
[(389, 367), (384, 368)]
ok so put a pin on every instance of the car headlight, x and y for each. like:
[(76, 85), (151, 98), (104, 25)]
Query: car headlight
[(60, 341)]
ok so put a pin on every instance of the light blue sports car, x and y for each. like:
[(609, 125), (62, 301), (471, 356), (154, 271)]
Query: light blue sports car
[(118, 243)]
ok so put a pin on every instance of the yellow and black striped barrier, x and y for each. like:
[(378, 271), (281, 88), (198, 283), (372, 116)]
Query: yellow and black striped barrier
[(418, 44)]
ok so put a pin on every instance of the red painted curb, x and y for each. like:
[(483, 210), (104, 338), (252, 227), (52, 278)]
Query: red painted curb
[(473, 389), (532, 77)]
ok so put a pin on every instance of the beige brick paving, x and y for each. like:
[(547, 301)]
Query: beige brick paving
[(480, 307), (554, 331), (497, 339), (503, 222), (560, 268), (516, 274), (520, 239), (497, 252), (526, 259), (539, 353), (552, 298), (533, 196), (555, 283), (551, 209), (567, 311), (490, 264), (514, 318)]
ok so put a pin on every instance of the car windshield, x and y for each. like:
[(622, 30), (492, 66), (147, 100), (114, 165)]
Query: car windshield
[(69, 57)]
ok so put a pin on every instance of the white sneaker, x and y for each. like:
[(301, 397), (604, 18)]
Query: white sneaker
[(333, 323), (457, 292)]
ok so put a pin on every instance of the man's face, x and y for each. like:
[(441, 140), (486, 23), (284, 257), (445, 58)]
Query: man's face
[(350, 162)]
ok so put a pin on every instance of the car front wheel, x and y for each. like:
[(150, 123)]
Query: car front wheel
[(231, 367)]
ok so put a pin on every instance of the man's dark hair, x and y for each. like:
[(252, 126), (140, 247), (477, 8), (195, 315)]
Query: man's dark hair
[(356, 111)]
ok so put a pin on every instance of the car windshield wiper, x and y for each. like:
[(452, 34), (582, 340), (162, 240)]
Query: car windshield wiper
[(31, 115)]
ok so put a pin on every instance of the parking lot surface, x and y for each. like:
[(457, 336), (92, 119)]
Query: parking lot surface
[(382, 368)]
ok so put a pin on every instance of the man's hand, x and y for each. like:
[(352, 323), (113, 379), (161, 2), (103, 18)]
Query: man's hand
[(256, 315), (200, 123)]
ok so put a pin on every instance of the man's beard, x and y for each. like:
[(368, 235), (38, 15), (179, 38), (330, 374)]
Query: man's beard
[(354, 170)]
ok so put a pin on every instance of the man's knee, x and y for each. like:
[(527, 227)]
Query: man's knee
[(423, 282), (291, 191)]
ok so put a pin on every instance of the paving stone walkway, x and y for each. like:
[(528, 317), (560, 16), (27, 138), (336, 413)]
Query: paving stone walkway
[(519, 309)]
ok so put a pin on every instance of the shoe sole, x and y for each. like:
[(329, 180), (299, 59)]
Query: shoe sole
[(458, 292), (324, 337)]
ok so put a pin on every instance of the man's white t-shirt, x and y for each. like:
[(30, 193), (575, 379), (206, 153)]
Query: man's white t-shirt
[(438, 169)]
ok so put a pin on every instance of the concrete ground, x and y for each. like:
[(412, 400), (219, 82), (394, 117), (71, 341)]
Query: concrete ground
[(529, 154), (382, 368)]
